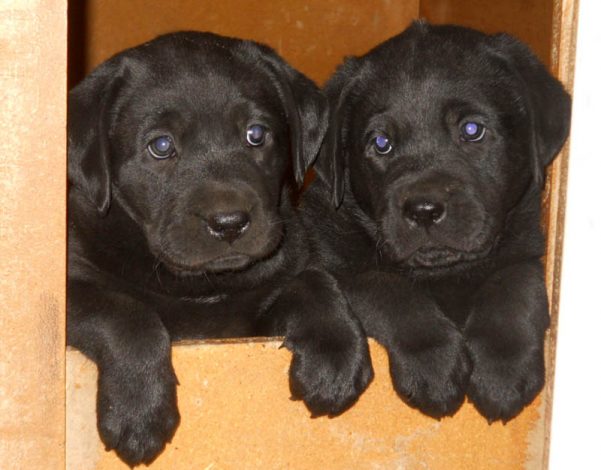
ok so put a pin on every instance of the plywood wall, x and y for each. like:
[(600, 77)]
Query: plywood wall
[(236, 414), (33, 40), (313, 35)]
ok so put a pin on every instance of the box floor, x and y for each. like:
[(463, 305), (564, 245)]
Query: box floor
[(236, 414)]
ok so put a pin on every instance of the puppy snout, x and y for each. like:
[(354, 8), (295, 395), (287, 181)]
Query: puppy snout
[(228, 226), (423, 212)]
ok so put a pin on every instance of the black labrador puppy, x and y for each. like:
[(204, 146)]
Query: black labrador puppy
[(181, 154), (435, 156)]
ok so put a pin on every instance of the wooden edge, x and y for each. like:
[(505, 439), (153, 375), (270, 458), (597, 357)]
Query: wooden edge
[(252, 340), (33, 62), (565, 25)]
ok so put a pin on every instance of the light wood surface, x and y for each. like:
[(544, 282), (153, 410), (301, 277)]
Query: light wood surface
[(562, 64), (236, 415), (33, 40)]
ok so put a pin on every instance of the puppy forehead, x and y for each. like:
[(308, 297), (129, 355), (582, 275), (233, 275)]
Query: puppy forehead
[(423, 47), (207, 80), (206, 92), (430, 94), (411, 79), (197, 69), (199, 93)]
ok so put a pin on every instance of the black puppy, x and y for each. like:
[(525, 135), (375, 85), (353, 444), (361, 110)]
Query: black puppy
[(181, 226), (436, 152)]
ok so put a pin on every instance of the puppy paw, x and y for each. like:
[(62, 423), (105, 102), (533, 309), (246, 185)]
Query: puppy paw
[(501, 386), (432, 374), (137, 416), (329, 376)]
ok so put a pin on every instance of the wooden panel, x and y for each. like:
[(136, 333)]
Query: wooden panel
[(32, 233), (563, 54), (314, 35), (236, 415), (529, 20)]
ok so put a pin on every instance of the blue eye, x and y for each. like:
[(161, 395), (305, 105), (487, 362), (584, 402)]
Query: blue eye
[(255, 135), (472, 132), (162, 147), (382, 144)]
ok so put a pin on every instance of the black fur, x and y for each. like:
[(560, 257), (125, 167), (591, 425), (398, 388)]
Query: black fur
[(437, 243), (146, 263)]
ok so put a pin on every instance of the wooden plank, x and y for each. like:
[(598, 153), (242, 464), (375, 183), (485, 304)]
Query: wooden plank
[(33, 60), (236, 414), (565, 19), (314, 35)]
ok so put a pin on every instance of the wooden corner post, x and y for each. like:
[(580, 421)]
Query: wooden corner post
[(33, 63)]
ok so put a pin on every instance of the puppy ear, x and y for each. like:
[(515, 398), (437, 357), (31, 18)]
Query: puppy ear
[(331, 163), (549, 105), (89, 118), (306, 110)]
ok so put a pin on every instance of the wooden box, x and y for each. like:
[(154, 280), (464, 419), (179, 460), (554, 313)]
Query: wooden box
[(233, 395)]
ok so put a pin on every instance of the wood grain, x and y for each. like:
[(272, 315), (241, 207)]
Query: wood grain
[(33, 39)]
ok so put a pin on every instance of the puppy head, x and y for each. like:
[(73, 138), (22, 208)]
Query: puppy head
[(193, 135), (437, 134)]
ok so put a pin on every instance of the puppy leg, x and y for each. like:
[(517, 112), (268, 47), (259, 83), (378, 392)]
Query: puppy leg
[(429, 364), (136, 401), (505, 335), (331, 365)]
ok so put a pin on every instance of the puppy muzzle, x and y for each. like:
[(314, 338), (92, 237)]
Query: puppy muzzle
[(432, 223), (217, 228)]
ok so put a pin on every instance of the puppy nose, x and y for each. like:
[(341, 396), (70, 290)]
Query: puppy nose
[(423, 212), (228, 226)]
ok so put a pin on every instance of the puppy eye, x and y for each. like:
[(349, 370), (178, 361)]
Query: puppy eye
[(162, 147), (472, 132), (255, 135), (382, 144)]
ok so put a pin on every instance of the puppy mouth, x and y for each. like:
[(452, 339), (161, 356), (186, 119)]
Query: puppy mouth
[(232, 262), (229, 262), (443, 257)]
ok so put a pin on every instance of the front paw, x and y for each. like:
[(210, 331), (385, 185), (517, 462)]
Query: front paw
[(328, 375), (431, 373), (137, 415), (501, 385)]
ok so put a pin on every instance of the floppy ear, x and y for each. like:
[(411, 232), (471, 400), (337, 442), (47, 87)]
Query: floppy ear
[(331, 163), (306, 110), (549, 105), (89, 117)]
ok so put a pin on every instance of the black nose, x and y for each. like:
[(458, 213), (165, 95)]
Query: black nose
[(228, 226), (423, 212)]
